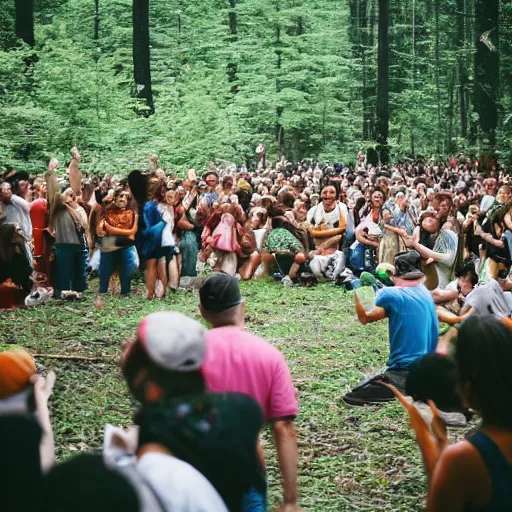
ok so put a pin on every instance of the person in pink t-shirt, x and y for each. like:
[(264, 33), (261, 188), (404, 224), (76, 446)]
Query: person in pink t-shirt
[(238, 361)]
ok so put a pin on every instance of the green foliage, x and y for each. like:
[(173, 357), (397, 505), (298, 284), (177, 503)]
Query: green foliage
[(79, 90)]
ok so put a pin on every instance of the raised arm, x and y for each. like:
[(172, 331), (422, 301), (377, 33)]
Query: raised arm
[(19, 201), (487, 237), (53, 192), (426, 253), (75, 175)]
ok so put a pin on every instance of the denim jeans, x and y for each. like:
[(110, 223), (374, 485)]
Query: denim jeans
[(125, 261), (255, 501), (70, 260), (189, 250)]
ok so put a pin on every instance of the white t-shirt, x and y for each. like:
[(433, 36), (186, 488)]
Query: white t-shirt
[(317, 215), (168, 218), (179, 485), (446, 244), (489, 299)]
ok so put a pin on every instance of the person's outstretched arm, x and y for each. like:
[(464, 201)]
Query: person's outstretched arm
[(367, 317), (426, 253), (43, 388), (19, 201)]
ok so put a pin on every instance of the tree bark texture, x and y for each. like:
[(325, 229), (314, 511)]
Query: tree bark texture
[(487, 70), (279, 109), (383, 82), (25, 21), (461, 64), (96, 20), (141, 53), (232, 66)]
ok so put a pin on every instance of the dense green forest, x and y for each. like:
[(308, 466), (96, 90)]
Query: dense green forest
[(316, 78)]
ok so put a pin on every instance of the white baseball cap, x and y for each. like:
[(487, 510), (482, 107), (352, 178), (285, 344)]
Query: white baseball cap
[(173, 341)]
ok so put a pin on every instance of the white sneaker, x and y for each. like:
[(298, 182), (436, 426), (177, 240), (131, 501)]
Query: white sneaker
[(287, 281)]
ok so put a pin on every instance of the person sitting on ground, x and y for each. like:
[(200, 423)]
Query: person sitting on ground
[(328, 222), (237, 361), (413, 328), (444, 252), (14, 260), (498, 240), (283, 246), (453, 298), (475, 474), (493, 298), (370, 231)]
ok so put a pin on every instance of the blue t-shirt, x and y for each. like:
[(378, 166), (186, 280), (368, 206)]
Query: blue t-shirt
[(413, 325)]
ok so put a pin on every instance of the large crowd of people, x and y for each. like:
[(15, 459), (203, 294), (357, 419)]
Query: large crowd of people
[(425, 245)]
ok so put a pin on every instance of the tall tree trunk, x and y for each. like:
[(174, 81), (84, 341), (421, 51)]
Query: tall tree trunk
[(279, 109), (438, 87), (363, 44), (232, 67), (451, 109), (413, 73), (486, 88), (372, 91), (141, 54), (461, 64), (383, 83), (25, 21), (96, 20), (296, 134)]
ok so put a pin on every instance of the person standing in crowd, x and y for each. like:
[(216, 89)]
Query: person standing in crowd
[(17, 211), (39, 219), (240, 362), (153, 252), (68, 221), (117, 228)]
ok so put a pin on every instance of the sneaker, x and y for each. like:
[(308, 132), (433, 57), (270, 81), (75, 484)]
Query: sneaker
[(39, 296), (278, 276), (287, 281), (372, 393)]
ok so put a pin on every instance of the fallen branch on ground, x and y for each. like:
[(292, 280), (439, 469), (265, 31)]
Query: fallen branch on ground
[(79, 358)]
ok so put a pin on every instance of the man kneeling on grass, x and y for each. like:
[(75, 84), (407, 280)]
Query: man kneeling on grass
[(413, 329)]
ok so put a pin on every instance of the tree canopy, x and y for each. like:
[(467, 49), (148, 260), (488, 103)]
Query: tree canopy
[(301, 77)]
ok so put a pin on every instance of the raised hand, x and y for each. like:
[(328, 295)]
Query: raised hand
[(53, 164), (75, 154), (431, 442)]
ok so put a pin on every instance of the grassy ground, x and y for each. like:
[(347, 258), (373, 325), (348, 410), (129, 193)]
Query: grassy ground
[(350, 458)]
